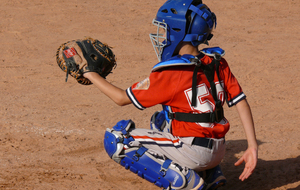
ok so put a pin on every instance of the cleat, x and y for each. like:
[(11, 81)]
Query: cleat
[(215, 178)]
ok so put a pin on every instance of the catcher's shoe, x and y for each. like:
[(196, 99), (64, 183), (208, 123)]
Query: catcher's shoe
[(194, 182), (214, 178)]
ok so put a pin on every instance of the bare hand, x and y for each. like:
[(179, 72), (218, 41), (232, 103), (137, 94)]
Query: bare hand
[(250, 159)]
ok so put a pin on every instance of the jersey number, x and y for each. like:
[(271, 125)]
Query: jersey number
[(205, 101)]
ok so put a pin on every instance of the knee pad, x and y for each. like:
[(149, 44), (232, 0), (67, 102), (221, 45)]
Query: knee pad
[(159, 122), (116, 138), (162, 172)]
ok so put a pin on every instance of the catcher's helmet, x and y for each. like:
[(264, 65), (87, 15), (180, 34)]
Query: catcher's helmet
[(181, 21)]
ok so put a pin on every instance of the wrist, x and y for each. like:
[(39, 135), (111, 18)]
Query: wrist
[(253, 149), (252, 142), (89, 74)]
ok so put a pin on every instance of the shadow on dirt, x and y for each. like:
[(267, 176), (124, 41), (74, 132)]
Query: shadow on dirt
[(267, 175)]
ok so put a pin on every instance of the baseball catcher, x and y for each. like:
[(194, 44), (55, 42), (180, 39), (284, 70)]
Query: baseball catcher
[(77, 57), (185, 144)]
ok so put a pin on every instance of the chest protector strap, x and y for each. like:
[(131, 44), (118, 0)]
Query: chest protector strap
[(209, 71)]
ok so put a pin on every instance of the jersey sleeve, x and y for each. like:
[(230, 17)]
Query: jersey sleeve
[(234, 92), (158, 88)]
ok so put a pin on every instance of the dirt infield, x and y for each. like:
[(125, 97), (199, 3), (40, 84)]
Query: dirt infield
[(51, 132)]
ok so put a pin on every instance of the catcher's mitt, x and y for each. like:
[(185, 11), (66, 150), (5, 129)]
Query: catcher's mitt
[(81, 56)]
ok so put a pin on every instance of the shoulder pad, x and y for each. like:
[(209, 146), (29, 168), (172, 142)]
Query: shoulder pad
[(212, 51), (174, 61)]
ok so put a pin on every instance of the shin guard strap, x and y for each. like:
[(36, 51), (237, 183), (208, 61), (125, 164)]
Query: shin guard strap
[(165, 167), (139, 153)]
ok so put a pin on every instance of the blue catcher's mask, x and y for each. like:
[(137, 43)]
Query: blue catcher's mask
[(181, 21)]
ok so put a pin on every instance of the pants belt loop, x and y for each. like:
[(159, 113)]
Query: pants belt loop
[(210, 143)]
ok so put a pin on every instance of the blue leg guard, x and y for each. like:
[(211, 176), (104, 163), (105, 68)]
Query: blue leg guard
[(162, 172), (116, 138), (159, 122)]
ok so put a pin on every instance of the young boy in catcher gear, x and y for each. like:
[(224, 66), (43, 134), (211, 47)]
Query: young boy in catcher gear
[(186, 143)]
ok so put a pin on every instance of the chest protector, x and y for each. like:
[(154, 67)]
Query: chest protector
[(209, 71)]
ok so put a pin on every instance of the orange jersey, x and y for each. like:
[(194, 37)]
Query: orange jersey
[(172, 86)]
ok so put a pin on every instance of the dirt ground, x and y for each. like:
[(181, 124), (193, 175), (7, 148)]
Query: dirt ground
[(51, 132)]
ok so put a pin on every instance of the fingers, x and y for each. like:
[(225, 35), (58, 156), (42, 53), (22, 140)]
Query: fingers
[(239, 162), (246, 173), (250, 164), (248, 170)]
